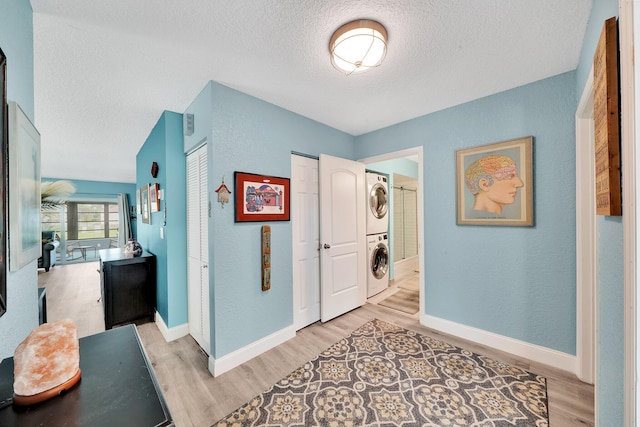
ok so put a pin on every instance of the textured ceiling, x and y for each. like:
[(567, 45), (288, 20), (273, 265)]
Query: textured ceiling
[(105, 70)]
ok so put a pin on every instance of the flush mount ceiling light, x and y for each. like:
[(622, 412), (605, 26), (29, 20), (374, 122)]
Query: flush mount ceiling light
[(358, 46)]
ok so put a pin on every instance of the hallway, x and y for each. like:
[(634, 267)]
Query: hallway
[(195, 398)]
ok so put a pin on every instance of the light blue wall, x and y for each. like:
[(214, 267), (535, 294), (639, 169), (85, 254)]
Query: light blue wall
[(202, 110), (404, 167), (100, 190), (610, 376), (600, 12), (173, 178), (524, 290), (250, 135), (518, 282), (610, 346), (164, 146), (16, 41)]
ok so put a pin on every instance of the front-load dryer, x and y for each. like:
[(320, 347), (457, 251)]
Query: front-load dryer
[(378, 267), (377, 203)]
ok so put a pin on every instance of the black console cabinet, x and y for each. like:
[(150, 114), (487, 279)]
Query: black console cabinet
[(118, 388), (128, 286)]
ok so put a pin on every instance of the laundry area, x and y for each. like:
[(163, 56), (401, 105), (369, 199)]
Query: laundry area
[(393, 268), (377, 233), (386, 268)]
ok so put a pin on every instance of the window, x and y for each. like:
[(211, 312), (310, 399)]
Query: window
[(83, 220), (51, 221), (91, 220)]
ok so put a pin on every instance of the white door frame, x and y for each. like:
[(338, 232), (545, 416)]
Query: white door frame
[(630, 103), (416, 151), (586, 239)]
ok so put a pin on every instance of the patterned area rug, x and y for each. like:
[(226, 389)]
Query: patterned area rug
[(384, 375), (407, 301)]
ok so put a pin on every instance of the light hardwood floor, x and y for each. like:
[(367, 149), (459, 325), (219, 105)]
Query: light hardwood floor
[(195, 398), (408, 281)]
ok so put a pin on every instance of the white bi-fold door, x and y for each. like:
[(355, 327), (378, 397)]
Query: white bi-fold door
[(198, 247)]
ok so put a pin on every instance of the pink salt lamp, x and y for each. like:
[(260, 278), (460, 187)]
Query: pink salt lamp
[(46, 363)]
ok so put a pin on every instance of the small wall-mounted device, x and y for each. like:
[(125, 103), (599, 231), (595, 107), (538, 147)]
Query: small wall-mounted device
[(188, 124)]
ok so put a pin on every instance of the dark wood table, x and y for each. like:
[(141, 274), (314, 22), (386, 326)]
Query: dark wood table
[(118, 388)]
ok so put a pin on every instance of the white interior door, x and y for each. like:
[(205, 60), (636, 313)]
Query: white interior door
[(198, 247), (342, 236), (306, 240)]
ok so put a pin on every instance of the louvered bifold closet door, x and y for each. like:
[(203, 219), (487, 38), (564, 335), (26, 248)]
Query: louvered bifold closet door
[(398, 225), (198, 247), (410, 221), (405, 223)]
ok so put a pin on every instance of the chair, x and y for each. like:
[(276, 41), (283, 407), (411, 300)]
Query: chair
[(49, 248)]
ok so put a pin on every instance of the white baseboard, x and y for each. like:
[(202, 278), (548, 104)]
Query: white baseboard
[(248, 352), (171, 334), (533, 352)]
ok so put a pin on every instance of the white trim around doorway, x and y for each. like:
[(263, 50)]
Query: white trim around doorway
[(629, 104), (411, 152), (586, 238)]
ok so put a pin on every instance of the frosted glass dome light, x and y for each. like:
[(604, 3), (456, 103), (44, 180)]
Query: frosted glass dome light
[(358, 46)]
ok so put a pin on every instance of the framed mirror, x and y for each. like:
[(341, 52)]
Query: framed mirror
[(3, 188)]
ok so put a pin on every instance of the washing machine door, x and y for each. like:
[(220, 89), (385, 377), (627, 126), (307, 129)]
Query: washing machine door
[(379, 261), (378, 200)]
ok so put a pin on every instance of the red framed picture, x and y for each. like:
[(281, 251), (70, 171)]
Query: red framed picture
[(261, 197)]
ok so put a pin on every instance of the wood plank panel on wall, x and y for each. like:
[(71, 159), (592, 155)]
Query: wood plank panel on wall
[(606, 115)]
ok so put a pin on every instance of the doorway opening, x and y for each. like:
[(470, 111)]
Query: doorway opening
[(305, 200), (405, 292)]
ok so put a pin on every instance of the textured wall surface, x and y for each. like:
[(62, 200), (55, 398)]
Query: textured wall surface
[(610, 376), (600, 12), (610, 343), (518, 282), (246, 134), (167, 242), (148, 235), (16, 41), (175, 230)]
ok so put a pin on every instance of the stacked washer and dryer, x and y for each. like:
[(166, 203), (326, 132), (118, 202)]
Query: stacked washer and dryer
[(377, 233)]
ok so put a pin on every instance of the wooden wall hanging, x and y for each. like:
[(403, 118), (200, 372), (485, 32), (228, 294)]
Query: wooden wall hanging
[(606, 117), (266, 257)]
